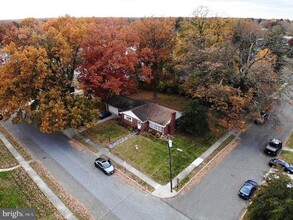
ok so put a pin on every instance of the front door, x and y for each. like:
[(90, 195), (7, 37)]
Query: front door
[(139, 125)]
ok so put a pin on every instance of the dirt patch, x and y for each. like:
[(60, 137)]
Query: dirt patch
[(6, 158), (129, 180)]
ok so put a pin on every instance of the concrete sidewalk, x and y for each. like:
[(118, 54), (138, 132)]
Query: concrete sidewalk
[(288, 149), (161, 191), (37, 179), (165, 191)]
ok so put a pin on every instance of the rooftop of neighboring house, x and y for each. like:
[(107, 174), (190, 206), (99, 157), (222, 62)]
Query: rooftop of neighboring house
[(123, 103)]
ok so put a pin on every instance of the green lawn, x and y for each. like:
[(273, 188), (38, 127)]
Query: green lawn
[(290, 141), (17, 190), (287, 156), (106, 132), (152, 155)]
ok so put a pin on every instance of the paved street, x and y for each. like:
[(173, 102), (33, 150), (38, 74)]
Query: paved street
[(107, 197), (215, 197)]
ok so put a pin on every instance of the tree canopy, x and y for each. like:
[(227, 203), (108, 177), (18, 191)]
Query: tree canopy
[(273, 201), (194, 119), (35, 80), (231, 66)]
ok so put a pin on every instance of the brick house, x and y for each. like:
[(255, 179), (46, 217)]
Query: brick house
[(143, 115)]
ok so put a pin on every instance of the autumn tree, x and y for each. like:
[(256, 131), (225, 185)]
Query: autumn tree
[(255, 64), (155, 45), (35, 82), (111, 60), (228, 69), (5, 26)]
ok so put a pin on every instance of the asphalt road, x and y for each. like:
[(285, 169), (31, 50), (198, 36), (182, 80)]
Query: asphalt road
[(215, 197), (107, 197)]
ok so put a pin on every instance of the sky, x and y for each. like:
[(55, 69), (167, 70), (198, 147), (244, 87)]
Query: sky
[(268, 9)]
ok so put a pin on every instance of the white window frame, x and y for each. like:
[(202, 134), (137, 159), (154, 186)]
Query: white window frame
[(156, 126), (128, 118)]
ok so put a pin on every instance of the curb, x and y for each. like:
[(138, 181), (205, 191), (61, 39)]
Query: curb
[(52, 197)]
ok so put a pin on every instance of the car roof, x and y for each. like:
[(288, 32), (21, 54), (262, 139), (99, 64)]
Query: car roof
[(251, 182), (101, 159), (276, 141), (247, 185)]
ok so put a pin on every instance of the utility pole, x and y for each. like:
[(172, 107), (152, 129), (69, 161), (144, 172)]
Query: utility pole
[(170, 161)]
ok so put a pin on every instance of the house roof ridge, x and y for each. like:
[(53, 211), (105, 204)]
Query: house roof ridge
[(161, 106)]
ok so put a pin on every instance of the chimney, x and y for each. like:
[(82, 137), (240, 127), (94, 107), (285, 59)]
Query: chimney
[(172, 123)]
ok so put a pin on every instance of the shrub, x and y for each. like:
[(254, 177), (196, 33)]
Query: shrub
[(171, 88), (194, 119), (158, 135)]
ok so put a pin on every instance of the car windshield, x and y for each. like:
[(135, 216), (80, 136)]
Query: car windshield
[(106, 164), (274, 145), (246, 188)]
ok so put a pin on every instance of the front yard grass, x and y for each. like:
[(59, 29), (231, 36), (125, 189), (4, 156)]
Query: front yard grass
[(151, 155), (290, 141), (106, 132), (287, 156)]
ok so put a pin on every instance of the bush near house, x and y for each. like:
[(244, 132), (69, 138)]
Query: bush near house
[(194, 119), (171, 88)]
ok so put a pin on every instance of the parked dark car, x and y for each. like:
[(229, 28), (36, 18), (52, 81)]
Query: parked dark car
[(273, 147), (105, 114), (247, 190), (105, 165), (288, 168), (264, 116)]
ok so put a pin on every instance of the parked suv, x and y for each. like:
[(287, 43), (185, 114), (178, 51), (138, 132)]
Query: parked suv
[(273, 147)]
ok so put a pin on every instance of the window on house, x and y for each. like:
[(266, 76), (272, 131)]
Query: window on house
[(156, 127), (128, 118)]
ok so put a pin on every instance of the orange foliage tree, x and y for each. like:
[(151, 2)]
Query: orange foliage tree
[(156, 43), (227, 70), (110, 59), (35, 81)]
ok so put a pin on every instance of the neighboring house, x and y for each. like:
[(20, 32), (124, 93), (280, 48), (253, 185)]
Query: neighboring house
[(143, 115), (117, 104)]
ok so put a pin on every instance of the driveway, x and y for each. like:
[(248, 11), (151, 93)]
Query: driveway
[(215, 197), (107, 197)]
